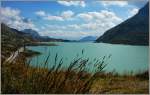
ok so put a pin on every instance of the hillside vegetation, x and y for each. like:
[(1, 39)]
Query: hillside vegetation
[(11, 40)]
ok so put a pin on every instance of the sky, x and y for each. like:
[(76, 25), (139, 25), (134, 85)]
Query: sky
[(70, 20)]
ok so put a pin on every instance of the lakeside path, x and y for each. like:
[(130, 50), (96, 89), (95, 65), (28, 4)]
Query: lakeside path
[(14, 55)]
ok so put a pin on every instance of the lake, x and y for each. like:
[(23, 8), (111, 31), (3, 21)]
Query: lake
[(123, 58)]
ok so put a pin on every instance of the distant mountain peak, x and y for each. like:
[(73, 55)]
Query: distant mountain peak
[(33, 33), (88, 38)]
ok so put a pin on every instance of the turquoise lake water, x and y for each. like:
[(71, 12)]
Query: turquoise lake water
[(124, 58)]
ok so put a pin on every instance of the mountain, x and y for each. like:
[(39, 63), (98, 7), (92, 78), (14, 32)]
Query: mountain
[(33, 33), (11, 39), (88, 38), (134, 31)]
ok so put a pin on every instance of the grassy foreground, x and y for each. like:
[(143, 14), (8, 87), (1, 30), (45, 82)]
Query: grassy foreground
[(20, 77)]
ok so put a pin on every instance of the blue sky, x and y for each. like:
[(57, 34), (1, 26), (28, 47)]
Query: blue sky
[(68, 20)]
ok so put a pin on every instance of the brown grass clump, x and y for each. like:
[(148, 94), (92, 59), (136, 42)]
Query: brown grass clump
[(19, 77)]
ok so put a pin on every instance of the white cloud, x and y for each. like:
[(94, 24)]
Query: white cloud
[(85, 16), (133, 12), (9, 12), (118, 3), (67, 14), (103, 16), (95, 26), (96, 23), (93, 23), (47, 16), (12, 18), (50, 17), (72, 3), (40, 13)]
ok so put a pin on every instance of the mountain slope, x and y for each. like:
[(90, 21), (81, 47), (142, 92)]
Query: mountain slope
[(88, 38), (134, 31), (11, 39)]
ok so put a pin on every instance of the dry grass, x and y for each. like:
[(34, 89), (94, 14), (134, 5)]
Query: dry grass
[(122, 85), (20, 77)]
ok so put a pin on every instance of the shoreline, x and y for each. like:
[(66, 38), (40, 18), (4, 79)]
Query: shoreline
[(30, 53), (41, 44)]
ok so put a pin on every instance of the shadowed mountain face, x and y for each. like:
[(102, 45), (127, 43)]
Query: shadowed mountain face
[(134, 31)]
